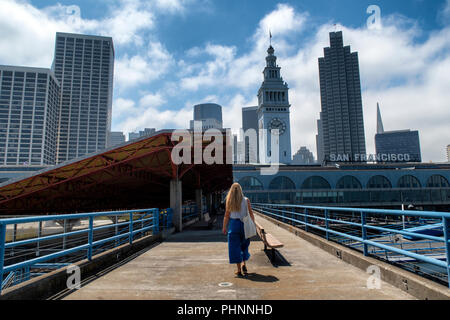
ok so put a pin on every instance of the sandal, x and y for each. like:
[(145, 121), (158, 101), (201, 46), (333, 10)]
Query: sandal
[(244, 269), (238, 274)]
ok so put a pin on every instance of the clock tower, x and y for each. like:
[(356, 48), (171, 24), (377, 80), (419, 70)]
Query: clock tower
[(273, 112)]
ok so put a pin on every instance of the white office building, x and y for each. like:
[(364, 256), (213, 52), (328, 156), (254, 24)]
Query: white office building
[(29, 104), (116, 138), (84, 66)]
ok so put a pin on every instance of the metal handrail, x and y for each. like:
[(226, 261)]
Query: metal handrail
[(279, 212), (189, 211), (149, 220)]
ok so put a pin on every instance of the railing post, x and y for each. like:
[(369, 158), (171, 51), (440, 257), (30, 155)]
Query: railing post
[(27, 275), (364, 233), (39, 235), (14, 238), (64, 231), (155, 221), (130, 229), (2, 252), (91, 237), (142, 225), (326, 224), (116, 229), (169, 217), (446, 228), (292, 213), (305, 211)]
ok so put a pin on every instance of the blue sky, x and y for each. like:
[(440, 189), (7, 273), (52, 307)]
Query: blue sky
[(172, 54)]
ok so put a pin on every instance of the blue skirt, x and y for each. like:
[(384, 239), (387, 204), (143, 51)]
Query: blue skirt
[(237, 244)]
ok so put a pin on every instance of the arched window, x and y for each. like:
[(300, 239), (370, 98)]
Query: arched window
[(281, 183), (408, 181), (316, 182), (348, 182), (251, 183), (379, 182), (437, 181)]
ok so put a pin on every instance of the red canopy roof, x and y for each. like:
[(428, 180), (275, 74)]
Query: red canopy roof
[(130, 176)]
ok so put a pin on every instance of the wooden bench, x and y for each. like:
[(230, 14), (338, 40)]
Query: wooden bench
[(269, 240)]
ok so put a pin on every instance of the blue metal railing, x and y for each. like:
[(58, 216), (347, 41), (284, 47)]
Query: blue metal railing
[(134, 224), (328, 220), (166, 218), (189, 212)]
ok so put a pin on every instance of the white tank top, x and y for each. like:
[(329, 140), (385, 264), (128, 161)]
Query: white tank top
[(242, 213)]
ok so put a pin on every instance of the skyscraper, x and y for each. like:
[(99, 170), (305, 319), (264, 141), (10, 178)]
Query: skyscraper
[(319, 141), (29, 104), (400, 142), (380, 127), (303, 156), (250, 122), (84, 66), (273, 112), (210, 114), (341, 118)]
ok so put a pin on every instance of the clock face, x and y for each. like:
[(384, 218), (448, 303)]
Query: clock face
[(276, 123)]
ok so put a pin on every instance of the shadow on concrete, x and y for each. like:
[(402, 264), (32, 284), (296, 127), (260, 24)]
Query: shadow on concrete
[(198, 236), (261, 278), (202, 232), (84, 282), (278, 260)]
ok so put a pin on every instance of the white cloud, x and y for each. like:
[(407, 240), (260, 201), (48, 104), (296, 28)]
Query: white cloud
[(244, 72), (171, 5), (124, 107), (156, 118), (27, 34), (444, 13), (409, 78), (152, 100), (142, 68), (213, 71)]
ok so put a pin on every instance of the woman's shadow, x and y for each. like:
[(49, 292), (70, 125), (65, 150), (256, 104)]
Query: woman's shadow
[(261, 278)]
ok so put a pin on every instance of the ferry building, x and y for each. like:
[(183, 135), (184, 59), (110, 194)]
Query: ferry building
[(392, 182)]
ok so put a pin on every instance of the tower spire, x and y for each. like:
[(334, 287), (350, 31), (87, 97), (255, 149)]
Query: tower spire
[(380, 128)]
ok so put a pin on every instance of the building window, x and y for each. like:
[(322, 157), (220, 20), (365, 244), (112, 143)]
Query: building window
[(316, 182), (409, 182), (251, 183), (437, 181), (348, 182), (281, 183), (379, 182)]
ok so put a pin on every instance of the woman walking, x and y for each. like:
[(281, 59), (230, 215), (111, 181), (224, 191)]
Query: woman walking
[(236, 209)]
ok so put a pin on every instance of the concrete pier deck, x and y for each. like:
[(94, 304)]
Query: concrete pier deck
[(194, 265)]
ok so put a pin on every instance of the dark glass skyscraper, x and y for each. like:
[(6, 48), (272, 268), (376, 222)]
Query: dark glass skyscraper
[(341, 119), (400, 142), (404, 142), (84, 66)]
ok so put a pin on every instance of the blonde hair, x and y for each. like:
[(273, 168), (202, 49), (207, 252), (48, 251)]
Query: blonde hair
[(234, 198)]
